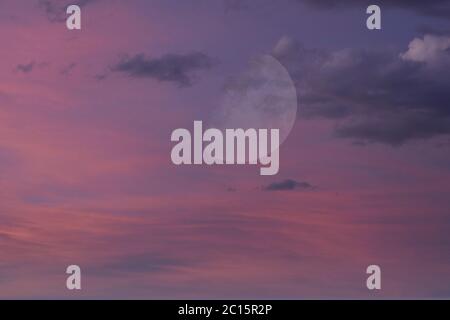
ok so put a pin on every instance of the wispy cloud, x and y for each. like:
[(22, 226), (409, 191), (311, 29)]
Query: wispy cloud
[(26, 68), (68, 69)]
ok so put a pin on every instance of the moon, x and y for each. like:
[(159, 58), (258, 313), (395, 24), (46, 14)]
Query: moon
[(263, 96)]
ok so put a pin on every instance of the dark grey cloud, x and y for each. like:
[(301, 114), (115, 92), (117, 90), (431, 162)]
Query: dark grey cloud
[(177, 68), (396, 131), (374, 96), (26, 68), (288, 185), (55, 10), (440, 8)]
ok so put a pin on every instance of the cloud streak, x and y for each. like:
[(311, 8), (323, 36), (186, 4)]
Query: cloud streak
[(288, 185), (176, 68)]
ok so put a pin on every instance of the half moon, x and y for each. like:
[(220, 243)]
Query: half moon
[(262, 97)]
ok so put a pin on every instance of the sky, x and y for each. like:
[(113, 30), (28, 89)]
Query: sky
[(86, 176)]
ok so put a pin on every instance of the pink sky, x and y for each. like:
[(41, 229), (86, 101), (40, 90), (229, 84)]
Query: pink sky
[(86, 176)]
